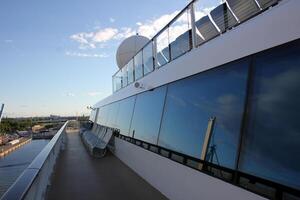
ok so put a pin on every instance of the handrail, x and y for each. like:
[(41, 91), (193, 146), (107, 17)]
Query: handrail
[(22, 185), (161, 30), (192, 13)]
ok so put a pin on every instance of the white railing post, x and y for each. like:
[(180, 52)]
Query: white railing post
[(192, 10), (155, 53)]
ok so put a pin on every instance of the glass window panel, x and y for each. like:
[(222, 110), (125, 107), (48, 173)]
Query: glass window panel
[(190, 104), (138, 62), (147, 115), (124, 76), (124, 115), (92, 116), (106, 114), (272, 140), (114, 108), (130, 71), (180, 35), (102, 116), (148, 58), (99, 115), (162, 42)]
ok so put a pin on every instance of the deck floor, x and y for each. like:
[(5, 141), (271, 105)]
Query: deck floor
[(77, 175)]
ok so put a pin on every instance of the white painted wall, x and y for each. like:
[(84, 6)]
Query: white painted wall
[(274, 27), (175, 180)]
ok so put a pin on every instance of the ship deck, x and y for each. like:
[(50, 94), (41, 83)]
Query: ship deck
[(77, 175)]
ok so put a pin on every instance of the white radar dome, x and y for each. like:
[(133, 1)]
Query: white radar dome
[(128, 48)]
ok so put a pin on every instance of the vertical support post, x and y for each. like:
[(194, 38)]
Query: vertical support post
[(208, 135), (96, 115), (1, 111), (192, 10), (155, 53), (112, 83), (121, 77)]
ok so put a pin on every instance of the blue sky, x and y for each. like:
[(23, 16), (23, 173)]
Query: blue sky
[(57, 57)]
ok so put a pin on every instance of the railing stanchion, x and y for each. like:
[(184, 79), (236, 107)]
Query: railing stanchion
[(155, 53), (192, 10)]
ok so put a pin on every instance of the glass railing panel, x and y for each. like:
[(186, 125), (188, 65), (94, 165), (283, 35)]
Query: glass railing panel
[(180, 35), (118, 80), (223, 17), (148, 58), (130, 71), (243, 9), (162, 43), (138, 62), (266, 3), (113, 83), (124, 76), (205, 27)]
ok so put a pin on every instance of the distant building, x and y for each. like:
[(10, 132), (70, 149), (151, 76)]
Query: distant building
[(3, 139), (54, 117), (23, 133), (37, 128)]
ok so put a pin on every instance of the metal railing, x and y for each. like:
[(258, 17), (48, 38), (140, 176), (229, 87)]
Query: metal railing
[(199, 22), (33, 182)]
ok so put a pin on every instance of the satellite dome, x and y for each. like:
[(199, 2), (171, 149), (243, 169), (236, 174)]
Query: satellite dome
[(128, 48)]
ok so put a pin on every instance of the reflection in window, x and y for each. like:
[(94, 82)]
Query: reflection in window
[(130, 71), (272, 140), (162, 42), (147, 115), (138, 62), (202, 9), (124, 115), (103, 115), (180, 35), (193, 101), (148, 58), (118, 80), (114, 108)]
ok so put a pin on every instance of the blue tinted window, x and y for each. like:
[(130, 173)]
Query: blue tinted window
[(147, 115), (124, 115), (191, 102), (271, 144)]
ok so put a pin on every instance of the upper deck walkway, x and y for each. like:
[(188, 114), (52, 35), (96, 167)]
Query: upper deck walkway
[(77, 175)]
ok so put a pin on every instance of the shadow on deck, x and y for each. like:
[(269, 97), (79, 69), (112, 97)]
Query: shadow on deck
[(77, 175)]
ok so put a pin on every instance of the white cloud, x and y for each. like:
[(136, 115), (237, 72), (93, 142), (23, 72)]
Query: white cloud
[(92, 94), (112, 20), (83, 39), (151, 27), (86, 55), (8, 41), (125, 32), (99, 38), (148, 28), (70, 94), (105, 34)]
